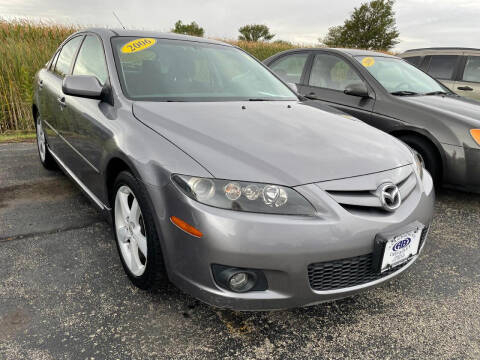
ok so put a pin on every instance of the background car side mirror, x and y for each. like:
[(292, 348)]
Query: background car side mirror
[(357, 89), (86, 86)]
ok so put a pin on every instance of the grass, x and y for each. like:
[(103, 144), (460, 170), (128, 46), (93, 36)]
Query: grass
[(17, 136), (262, 50), (26, 46)]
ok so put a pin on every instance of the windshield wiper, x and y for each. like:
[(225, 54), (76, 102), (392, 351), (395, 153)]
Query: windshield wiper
[(437, 93), (258, 99), (404, 93)]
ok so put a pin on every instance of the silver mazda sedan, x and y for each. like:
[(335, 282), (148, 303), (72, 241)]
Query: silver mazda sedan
[(217, 177)]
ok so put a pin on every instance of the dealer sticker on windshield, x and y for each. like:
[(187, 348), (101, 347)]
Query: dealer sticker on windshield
[(138, 45), (400, 249), (368, 61)]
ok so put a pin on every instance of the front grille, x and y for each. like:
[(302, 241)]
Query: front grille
[(367, 201), (344, 273)]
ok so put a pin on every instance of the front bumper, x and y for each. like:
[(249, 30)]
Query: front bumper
[(282, 246), (462, 168)]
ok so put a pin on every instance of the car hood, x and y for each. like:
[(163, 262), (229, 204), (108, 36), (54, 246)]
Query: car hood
[(462, 109), (279, 142)]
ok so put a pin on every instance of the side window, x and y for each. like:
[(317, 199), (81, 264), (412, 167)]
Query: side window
[(331, 72), (91, 59), (54, 60), (442, 66), (65, 59), (290, 67), (472, 69), (414, 60)]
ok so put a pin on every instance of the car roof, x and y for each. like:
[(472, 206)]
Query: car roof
[(361, 52), (440, 51), (106, 32), (350, 52), (442, 48)]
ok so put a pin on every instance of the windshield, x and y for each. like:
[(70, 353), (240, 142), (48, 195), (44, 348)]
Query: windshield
[(399, 77), (174, 70)]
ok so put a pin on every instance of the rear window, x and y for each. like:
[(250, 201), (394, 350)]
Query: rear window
[(442, 66)]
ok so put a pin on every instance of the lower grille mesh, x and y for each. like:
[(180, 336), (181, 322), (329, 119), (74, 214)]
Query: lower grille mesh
[(348, 272)]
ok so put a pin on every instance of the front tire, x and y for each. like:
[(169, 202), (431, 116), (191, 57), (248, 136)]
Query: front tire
[(135, 233), (46, 158), (429, 155)]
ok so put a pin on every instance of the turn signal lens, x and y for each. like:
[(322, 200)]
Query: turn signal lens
[(186, 227), (476, 135)]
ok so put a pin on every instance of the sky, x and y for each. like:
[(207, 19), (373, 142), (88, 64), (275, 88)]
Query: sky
[(422, 23)]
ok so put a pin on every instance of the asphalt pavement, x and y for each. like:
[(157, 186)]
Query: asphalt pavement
[(64, 295)]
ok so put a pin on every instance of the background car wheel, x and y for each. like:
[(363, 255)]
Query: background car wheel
[(46, 158), (135, 233), (429, 155)]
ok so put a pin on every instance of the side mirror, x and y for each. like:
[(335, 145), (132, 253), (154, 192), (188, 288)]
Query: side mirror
[(293, 87), (357, 89), (86, 86)]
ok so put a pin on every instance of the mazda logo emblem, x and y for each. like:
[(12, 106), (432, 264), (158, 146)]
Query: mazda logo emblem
[(389, 196)]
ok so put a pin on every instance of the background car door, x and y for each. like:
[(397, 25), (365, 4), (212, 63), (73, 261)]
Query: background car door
[(54, 99), (86, 118), (469, 83), (326, 80)]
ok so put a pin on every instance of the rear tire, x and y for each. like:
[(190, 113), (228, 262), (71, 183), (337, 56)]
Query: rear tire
[(428, 153), (136, 236), (46, 158)]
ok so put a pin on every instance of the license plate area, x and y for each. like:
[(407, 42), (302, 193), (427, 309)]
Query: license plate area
[(394, 249)]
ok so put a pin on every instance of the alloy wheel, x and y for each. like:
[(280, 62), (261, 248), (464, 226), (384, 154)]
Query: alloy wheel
[(130, 230), (41, 142)]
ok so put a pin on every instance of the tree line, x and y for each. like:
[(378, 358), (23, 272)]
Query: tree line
[(371, 26)]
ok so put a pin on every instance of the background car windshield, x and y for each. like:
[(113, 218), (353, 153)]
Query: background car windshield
[(397, 75), (173, 70)]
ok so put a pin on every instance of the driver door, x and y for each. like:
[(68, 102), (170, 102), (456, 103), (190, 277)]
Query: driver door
[(326, 80)]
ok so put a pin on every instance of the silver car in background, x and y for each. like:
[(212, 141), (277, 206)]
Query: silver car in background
[(457, 68), (216, 176)]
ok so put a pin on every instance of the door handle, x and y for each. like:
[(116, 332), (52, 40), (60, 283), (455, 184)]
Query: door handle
[(61, 101), (465, 88)]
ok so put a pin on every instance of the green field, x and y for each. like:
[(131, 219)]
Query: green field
[(25, 47)]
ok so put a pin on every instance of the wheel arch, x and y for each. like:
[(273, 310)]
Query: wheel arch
[(425, 136), (115, 165)]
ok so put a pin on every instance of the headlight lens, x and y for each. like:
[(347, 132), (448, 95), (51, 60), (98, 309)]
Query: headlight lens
[(244, 196), (419, 163)]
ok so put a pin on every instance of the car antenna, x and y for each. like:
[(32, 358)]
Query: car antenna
[(118, 20)]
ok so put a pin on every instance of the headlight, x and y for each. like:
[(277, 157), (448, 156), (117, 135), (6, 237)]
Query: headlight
[(244, 196), (419, 163)]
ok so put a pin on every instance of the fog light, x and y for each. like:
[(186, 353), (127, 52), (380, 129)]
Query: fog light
[(238, 281), (241, 281)]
